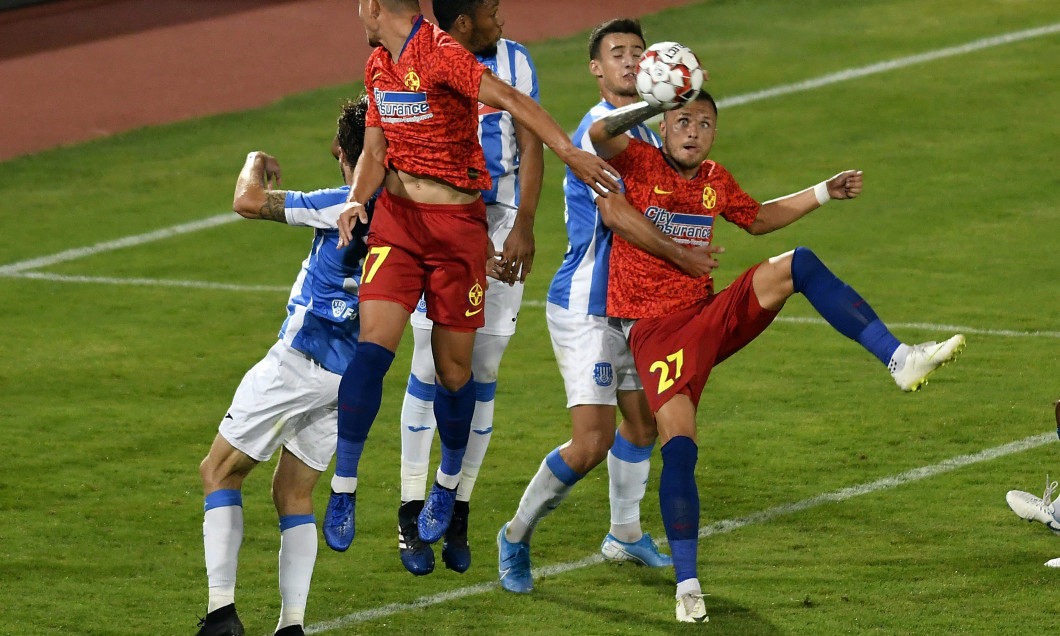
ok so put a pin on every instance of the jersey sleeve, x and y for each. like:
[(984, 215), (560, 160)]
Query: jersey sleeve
[(458, 69), (740, 208), (318, 209), (371, 117), (526, 74)]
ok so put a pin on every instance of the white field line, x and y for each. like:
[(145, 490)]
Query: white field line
[(717, 528), (786, 89), (890, 65)]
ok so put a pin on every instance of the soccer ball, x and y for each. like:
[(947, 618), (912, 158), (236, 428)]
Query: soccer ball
[(669, 75)]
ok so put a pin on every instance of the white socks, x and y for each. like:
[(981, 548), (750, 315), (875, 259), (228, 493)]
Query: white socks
[(298, 554), (222, 535)]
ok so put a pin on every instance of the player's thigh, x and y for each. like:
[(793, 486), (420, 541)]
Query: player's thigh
[(585, 350), (274, 399)]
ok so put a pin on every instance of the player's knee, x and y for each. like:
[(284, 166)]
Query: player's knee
[(453, 377)]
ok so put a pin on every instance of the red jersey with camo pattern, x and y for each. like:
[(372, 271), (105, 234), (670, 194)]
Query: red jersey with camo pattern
[(427, 105), (641, 285)]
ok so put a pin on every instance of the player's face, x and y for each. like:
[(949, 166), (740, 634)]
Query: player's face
[(486, 27), (616, 67), (371, 25), (688, 134)]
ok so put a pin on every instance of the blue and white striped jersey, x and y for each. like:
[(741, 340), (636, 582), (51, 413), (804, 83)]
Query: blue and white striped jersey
[(496, 130), (581, 282), (322, 317)]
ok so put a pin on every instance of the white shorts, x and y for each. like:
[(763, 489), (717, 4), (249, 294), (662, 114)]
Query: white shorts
[(286, 399), (502, 300), (593, 356)]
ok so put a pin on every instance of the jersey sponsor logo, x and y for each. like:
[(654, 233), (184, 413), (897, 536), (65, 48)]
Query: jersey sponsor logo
[(412, 80), (603, 374), (710, 197), (401, 106), (340, 309), (688, 229), (658, 190)]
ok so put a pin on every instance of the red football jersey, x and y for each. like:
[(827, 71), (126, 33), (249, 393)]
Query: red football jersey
[(427, 105), (641, 285)]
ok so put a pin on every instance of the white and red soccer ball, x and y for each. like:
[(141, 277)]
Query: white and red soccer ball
[(669, 75)]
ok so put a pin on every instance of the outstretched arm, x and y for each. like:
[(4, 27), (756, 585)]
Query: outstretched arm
[(589, 168), (607, 133), (254, 197), (784, 211), (624, 220)]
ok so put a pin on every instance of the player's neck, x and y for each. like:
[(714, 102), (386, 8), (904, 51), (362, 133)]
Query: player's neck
[(617, 100), (396, 31)]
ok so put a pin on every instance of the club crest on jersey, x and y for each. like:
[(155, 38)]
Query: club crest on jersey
[(397, 107), (710, 197), (688, 229), (421, 306), (603, 374), (340, 309), (412, 81)]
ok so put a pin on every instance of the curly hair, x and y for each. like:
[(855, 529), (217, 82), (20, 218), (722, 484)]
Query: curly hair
[(351, 128)]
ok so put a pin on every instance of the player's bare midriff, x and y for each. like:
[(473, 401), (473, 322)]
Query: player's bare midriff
[(425, 189)]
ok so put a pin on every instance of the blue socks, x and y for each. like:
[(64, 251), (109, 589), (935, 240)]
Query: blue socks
[(453, 411), (840, 305), (360, 393), (679, 504)]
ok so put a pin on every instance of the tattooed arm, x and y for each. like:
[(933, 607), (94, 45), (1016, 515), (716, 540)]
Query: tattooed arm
[(606, 132), (254, 197)]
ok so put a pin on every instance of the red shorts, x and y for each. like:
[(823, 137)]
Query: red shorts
[(676, 353), (438, 251)]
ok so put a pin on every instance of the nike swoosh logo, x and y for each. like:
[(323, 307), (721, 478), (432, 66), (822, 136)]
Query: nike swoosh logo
[(377, 75), (228, 416), (470, 313), (658, 190)]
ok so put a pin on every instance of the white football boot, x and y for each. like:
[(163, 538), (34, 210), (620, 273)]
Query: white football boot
[(692, 609), (1032, 508), (923, 359)]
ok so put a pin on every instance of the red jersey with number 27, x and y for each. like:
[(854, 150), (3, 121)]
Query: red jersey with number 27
[(641, 285), (427, 105)]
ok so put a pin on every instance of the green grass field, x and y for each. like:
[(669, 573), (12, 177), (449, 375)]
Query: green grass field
[(119, 362)]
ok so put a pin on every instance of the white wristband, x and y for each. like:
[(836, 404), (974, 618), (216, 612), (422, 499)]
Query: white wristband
[(821, 192)]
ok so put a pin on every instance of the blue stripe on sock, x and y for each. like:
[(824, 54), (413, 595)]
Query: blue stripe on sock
[(485, 391), (222, 498), (291, 521), (629, 452), (560, 469), (420, 390)]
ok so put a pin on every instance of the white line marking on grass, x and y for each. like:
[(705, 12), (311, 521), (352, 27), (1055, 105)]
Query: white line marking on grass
[(717, 528), (149, 282), (889, 65), (128, 241)]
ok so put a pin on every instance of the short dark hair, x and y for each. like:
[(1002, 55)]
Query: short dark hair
[(704, 96), (618, 25), (447, 11), (351, 128), (401, 5)]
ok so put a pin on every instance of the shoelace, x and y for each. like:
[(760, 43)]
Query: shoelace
[(1047, 497)]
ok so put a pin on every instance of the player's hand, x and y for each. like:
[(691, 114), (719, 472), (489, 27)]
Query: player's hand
[(699, 261), (353, 213), (594, 171), (272, 171), (845, 185), (518, 255), (493, 263)]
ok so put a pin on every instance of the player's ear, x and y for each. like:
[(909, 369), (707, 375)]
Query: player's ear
[(594, 68)]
